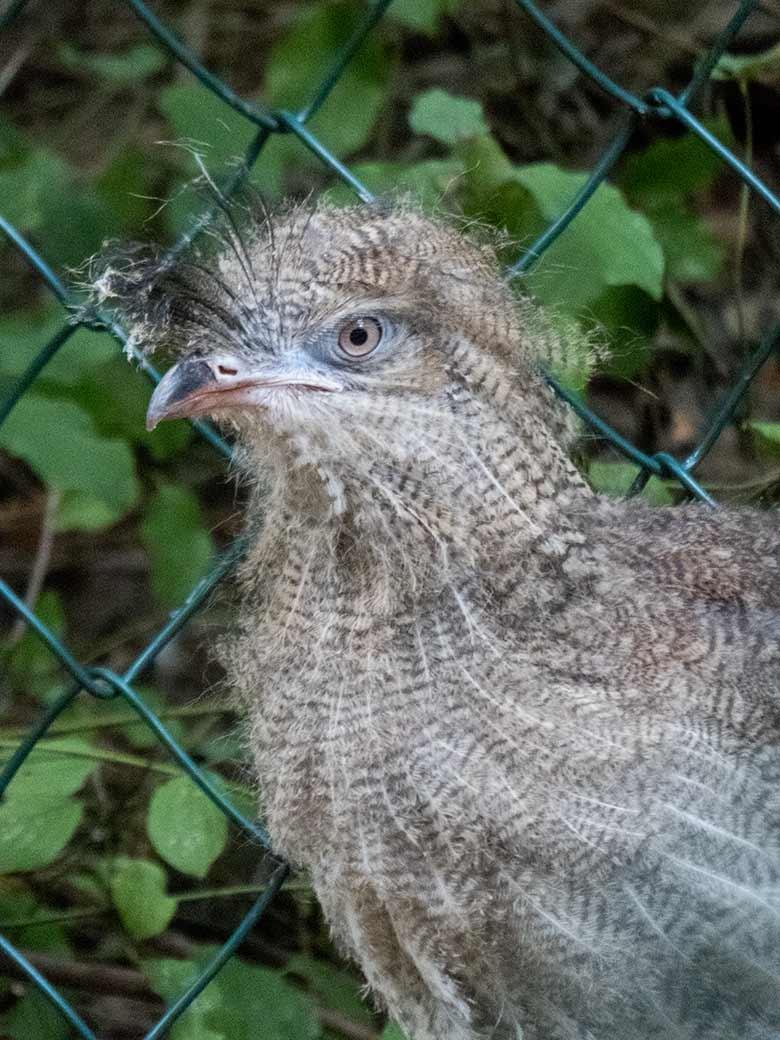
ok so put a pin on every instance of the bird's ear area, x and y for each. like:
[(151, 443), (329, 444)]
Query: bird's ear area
[(165, 305)]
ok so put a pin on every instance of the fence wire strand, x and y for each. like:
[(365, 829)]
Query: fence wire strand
[(656, 106)]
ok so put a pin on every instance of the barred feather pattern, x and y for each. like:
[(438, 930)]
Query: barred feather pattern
[(524, 739)]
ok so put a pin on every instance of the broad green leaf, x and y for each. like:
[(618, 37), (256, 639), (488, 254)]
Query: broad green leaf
[(203, 123), (626, 319), (128, 185), (169, 979), (138, 892), (232, 1005), (615, 478), (42, 193), (693, 252), (53, 771), (251, 994), (75, 221), (425, 181), (59, 441), (673, 168), (446, 118), (17, 904), (117, 397), (608, 244), (122, 70), (187, 830), (23, 334), (297, 65), (33, 1015), (24, 179), (486, 162), (300, 62), (178, 544), (33, 833)]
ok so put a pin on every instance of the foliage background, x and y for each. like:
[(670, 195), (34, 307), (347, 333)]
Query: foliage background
[(116, 875)]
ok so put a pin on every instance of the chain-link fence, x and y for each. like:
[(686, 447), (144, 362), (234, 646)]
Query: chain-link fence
[(653, 109)]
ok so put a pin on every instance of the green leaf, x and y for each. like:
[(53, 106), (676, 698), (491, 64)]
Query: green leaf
[(32, 834), (138, 892), (169, 979), (204, 123), (674, 168), (447, 118), (252, 994), (38, 816), (295, 69), (17, 903), (25, 177), (178, 544), (426, 181), (300, 61), (122, 70), (233, 1004), (45, 195), (53, 771), (34, 1015), (23, 334), (59, 441), (117, 397), (608, 244), (186, 828), (627, 319), (128, 186), (750, 68), (693, 252), (615, 478), (75, 220)]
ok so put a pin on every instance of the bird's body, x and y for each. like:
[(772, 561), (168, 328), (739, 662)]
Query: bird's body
[(525, 739)]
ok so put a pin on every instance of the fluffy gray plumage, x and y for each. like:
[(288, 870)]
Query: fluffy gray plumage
[(525, 739)]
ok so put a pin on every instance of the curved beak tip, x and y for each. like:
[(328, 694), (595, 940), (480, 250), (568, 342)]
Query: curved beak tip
[(175, 394)]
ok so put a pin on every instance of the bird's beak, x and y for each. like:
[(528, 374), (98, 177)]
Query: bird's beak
[(205, 385)]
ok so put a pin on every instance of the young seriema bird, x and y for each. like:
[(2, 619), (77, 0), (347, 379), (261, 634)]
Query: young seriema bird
[(524, 738)]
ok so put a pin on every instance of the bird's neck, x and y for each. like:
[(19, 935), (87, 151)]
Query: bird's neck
[(381, 538)]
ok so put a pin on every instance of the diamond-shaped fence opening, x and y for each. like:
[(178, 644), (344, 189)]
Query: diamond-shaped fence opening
[(655, 108)]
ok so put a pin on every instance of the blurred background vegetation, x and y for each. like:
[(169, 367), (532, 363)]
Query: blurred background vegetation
[(117, 876)]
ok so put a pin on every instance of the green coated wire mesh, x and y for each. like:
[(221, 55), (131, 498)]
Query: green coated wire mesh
[(654, 108)]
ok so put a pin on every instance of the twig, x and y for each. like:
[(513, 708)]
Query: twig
[(40, 565)]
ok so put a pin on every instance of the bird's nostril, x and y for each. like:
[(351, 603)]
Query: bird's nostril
[(225, 371)]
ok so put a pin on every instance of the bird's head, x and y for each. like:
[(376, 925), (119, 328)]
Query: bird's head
[(355, 343)]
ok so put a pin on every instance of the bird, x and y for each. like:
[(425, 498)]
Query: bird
[(524, 738)]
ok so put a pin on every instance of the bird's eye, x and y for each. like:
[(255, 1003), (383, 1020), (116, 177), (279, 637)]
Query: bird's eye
[(360, 337)]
